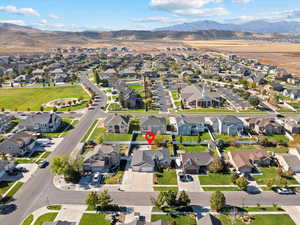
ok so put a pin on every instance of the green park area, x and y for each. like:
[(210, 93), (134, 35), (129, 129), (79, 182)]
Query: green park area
[(23, 99)]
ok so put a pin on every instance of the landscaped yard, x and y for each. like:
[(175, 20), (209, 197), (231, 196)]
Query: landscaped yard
[(142, 137), (193, 148), (242, 147), (270, 173), (24, 98), (116, 137), (260, 220), (28, 220), (11, 193), (93, 219), (90, 130), (4, 186), (229, 138), (179, 219), (277, 138), (48, 217), (203, 137), (168, 177), (175, 95), (215, 179)]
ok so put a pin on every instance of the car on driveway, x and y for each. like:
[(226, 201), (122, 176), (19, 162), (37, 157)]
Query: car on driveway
[(285, 191), (97, 178), (43, 164), (186, 178)]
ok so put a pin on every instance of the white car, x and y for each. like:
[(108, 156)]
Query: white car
[(285, 191), (97, 178)]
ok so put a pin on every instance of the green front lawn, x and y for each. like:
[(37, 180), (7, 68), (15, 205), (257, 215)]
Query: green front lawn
[(164, 189), (93, 219), (270, 173), (168, 177), (24, 98), (4, 186), (28, 220), (261, 220), (116, 137), (175, 95), (221, 189), (215, 179), (179, 219), (12, 191), (48, 217), (193, 148)]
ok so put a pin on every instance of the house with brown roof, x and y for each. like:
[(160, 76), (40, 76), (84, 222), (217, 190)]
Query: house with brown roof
[(196, 162), (266, 126), (245, 161)]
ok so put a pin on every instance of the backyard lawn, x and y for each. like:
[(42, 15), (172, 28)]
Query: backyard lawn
[(215, 179), (260, 219), (277, 138), (203, 137), (24, 98), (48, 217), (93, 219), (179, 219), (142, 137), (168, 177), (228, 138), (270, 173), (193, 148)]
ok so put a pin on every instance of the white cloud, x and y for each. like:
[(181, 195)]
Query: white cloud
[(17, 22), (53, 16), (20, 11), (189, 7), (241, 1), (159, 19)]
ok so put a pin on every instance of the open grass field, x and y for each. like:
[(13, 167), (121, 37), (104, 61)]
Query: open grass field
[(24, 98)]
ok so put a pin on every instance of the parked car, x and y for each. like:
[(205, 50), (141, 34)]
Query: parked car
[(43, 164), (22, 169), (285, 191), (97, 178), (6, 209), (186, 178)]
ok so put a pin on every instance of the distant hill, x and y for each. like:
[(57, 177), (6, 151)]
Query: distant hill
[(256, 26)]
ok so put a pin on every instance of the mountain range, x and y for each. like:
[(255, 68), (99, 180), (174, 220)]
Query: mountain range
[(256, 26)]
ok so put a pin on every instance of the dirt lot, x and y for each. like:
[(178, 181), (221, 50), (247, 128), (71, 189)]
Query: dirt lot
[(284, 55)]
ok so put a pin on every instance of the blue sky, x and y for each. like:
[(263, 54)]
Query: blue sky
[(140, 14)]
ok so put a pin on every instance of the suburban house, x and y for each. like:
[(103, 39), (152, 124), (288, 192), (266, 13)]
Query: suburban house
[(150, 160), (195, 96), (102, 159), (41, 122), (157, 125), (245, 161), (292, 93), (5, 122), (117, 124), (19, 144), (266, 126), (196, 162), (4, 166), (290, 161), (209, 219), (293, 126), (190, 126), (230, 125)]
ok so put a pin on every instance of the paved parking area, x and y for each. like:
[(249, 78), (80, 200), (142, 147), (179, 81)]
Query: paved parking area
[(137, 181)]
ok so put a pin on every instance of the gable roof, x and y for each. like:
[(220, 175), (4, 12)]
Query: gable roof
[(40, 118), (246, 157), (116, 120), (198, 158), (153, 120), (142, 157)]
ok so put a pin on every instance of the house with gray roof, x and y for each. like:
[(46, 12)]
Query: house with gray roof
[(102, 159), (150, 160), (41, 122), (157, 125), (290, 161), (5, 122), (190, 126), (195, 96), (19, 144), (196, 162), (230, 125), (117, 124)]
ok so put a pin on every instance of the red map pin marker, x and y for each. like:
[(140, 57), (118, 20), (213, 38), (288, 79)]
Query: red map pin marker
[(150, 136)]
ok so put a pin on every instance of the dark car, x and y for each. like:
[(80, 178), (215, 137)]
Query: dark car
[(6, 209), (22, 169), (186, 178), (43, 164)]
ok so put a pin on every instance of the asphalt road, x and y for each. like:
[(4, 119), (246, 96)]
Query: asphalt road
[(40, 191)]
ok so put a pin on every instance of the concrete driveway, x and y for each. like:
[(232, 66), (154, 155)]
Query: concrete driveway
[(137, 181), (192, 186)]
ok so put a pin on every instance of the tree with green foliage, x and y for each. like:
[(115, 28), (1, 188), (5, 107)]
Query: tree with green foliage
[(184, 199), (254, 101), (216, 166), (59, 165), (159, 201), (170, 198), (104, 200), (217, 201), (92, 199), (242, 183), (234, 177)]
